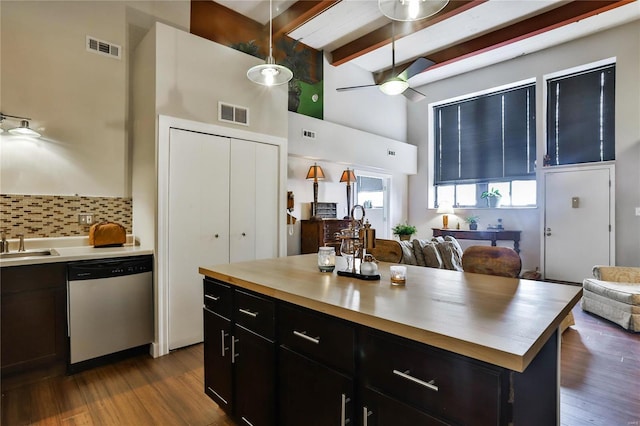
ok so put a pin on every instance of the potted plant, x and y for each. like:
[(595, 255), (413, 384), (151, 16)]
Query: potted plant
[(404, 231), (472, 221), (492, 196)]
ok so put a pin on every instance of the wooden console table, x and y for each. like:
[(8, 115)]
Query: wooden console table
[(492, 235)]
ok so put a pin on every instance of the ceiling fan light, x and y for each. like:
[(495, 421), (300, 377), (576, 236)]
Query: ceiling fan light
[(394, 86), (24, 130), (410, 10)]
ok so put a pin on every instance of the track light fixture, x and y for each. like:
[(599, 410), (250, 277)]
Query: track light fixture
[(23, 129)]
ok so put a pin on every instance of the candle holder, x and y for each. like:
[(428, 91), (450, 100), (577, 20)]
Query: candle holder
[(398, 275), (326, 259)]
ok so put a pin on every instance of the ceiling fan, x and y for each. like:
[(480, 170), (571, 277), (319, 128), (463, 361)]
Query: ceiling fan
[(398, 84)]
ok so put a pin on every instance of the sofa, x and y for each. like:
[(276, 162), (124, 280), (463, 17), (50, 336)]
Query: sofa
[(614, 294)]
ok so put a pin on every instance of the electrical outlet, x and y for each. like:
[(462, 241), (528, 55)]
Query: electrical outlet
[(85, 219)]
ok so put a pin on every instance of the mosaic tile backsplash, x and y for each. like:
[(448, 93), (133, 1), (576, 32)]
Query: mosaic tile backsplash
[(46, 216)]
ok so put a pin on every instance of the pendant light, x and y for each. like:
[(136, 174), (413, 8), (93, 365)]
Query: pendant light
[(23, 129), (410, 10), (270, 73)]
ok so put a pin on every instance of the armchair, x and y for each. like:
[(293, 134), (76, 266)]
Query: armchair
[(614, 294)]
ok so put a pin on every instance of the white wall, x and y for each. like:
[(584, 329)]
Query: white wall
[(622, 42), (78, 99)]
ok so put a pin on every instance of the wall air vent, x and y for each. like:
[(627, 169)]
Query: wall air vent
[(103, 48), (308, 134), (233, 114)]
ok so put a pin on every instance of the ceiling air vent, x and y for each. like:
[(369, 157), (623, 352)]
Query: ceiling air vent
[(103, 48), (233, 114)]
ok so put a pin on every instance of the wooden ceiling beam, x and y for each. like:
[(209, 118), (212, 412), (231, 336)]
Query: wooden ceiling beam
[(382, 36), (568, 13), (298, 14)]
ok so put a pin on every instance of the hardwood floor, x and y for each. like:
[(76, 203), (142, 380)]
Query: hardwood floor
[(600, 386)]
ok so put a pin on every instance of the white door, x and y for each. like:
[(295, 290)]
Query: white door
[(198, 225), (253, 201), (577, 223)]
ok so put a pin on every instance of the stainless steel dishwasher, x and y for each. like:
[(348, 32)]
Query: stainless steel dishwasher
[(109, 308)]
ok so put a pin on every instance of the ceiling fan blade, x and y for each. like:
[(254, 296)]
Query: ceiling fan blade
[(413, 95), (416, 68), (344, 89)]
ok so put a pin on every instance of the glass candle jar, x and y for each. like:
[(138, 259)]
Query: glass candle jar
[(398, 275), (326, 259)]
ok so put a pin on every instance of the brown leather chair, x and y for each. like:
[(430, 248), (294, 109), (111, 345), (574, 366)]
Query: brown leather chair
[(387, 251), (501, 261)]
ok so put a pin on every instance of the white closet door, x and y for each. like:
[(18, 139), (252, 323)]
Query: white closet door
[(266, 217), (242, 203), (198, 225)]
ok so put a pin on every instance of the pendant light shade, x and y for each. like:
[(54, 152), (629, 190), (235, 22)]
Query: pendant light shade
[(270, 73), (410, 10)]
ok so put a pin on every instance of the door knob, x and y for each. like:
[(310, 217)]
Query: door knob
[(217, 236), (244, 235), (548, 232)]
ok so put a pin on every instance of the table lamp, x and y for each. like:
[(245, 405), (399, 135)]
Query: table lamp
[(445, 210), (315, 172), (349, 177)]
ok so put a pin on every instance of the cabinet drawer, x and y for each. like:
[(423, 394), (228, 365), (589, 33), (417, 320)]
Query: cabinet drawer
[(443, 384), (322, 338), (217, 297), (256, 314)]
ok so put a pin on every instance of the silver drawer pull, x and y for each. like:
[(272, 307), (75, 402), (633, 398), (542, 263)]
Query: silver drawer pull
[(428, 385), (246, 421), (343, 410), (214, 298), (365, 414), (303, 334), (247, 312), (222, 336)]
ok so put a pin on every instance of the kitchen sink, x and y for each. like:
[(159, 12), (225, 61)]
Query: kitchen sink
[(29, 253)]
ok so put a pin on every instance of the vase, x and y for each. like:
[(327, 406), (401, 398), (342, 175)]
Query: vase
[(492, 202), (473, 226), (404, 237)]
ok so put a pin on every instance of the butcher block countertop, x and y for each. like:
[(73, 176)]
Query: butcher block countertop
[(502, 321)]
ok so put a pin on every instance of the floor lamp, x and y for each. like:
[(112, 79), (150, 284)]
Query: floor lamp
[(348, 176), (315, 172)]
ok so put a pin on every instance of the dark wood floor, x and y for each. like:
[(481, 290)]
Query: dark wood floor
[(600, 386)]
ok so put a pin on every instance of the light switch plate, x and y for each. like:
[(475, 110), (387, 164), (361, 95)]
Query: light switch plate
[(85, 218), (637, 211)]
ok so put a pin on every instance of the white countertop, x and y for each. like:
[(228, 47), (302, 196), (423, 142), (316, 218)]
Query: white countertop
[(71, 249)]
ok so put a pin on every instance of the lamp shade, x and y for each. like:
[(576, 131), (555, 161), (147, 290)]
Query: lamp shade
[(348, 176), (269, 74), (394, 86), (445, 209), (24, 130), (410, 10), (315, 173)]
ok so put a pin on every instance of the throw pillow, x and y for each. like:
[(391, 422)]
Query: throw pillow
[(449, 254), (432, 256), (418, 246), (407, 253), (456, 245)]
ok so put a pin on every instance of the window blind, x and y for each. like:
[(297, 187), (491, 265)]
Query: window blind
[(581, 115), (486, 138)]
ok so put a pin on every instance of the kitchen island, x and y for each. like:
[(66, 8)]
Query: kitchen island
[(478, 349)]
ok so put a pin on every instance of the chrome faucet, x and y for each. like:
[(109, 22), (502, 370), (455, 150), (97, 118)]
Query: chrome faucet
[(21, 243), (4, 244)]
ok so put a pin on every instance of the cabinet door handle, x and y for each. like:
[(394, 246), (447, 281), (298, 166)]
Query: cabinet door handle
[(343, 410), (246, 421), (248, 312), (428, 385), (365, 414), (303, 334), (214, 298), (222, 337), (233, 349)]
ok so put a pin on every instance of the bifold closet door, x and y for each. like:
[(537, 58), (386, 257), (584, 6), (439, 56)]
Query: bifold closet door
[(198, 225), (253, 229)]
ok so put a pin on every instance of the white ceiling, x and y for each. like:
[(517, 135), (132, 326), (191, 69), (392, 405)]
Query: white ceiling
[(348, 20)]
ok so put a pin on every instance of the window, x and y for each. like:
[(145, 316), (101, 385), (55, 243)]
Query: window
[(581, 115), (484, 142)]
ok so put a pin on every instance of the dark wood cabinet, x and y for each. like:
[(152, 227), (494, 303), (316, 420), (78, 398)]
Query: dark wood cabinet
[(311, 393), (381, 410), (240, 352), (318, 233), (33, 319)]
